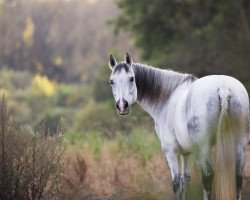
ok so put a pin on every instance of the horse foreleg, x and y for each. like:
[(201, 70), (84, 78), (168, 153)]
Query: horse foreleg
[(172, 158)]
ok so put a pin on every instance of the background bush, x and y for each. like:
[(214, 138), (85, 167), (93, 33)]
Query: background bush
[(31, 164)]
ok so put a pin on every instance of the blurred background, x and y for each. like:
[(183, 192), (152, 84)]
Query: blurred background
[(54, 70)]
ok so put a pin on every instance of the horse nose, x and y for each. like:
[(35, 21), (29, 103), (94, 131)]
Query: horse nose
[(125, 103), (121, 105), (117, 105)]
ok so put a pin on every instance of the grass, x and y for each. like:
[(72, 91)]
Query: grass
[(126, 167), (140, 142), (93, 140), (128, 163)]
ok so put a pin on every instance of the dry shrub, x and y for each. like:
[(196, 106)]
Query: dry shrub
[(110, 175), (74, 184), (30, 163)]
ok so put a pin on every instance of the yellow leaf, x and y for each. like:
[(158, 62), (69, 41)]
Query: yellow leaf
[(58, 61), (44, 85), (28, 32)]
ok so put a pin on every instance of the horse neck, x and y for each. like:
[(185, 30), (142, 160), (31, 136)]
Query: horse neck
[(155, 86)]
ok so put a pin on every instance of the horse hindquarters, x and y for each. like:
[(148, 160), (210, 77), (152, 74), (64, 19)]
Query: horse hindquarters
[(230, 142)]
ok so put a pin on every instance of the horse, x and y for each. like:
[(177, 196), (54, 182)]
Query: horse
[(192, 117)]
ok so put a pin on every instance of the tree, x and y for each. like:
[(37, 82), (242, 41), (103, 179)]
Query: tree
[(197, 36), (68, 41)]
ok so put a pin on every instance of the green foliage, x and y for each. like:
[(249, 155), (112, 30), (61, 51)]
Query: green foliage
[(26, 102), (102, 117), (11, 80), (53, 121), (97, 117), (72, 106), (93, 140), (202, 37), (141, 142), (70, 95), (74, 138), (101, 87)]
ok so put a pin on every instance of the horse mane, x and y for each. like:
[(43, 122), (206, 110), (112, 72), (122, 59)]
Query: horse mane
[(154, 84)]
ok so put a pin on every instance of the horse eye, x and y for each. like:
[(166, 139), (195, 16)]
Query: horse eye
[(132, 79), (111, 82)]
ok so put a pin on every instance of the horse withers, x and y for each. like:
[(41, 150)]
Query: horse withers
[(191, 117)]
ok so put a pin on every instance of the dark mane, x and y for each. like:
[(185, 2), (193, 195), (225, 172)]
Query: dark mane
[(147, 83), (156, 84)]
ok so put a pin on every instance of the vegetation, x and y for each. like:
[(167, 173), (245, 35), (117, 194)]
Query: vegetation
[(31, 164), (199, 37), (54, 70), (64, 40)]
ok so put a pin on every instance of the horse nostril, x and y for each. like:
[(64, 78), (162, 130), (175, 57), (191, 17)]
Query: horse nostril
[(125, 104), (117, 105)]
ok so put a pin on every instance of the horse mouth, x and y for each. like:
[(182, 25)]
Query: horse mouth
[(123, 113)]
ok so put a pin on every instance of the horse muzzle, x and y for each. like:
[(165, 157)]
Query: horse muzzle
[(122, 107)]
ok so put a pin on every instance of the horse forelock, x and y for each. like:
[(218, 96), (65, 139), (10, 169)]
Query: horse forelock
[(120, 66)]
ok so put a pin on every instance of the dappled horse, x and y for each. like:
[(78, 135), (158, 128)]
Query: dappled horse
[(191, 116)]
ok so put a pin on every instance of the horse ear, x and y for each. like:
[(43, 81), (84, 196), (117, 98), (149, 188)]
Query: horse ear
[(112, 62), (128, 59)]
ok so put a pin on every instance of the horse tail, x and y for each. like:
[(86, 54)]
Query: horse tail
[(225, 173)]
